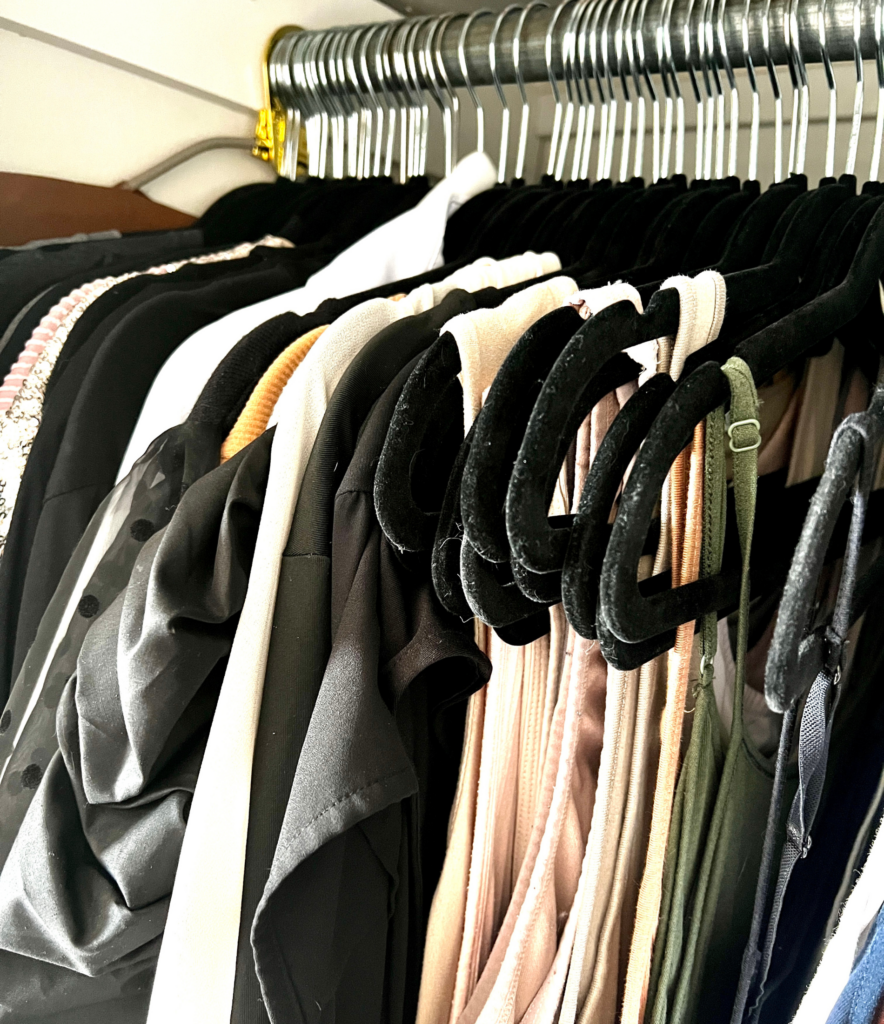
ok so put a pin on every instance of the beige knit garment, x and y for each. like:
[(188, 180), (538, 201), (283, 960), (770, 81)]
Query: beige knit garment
[(526, 972), (525, 947), (476, 879), (510, 772)]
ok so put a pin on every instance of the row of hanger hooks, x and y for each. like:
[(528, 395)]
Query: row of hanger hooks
[(364, 93)]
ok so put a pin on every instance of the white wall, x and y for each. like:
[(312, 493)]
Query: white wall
[(98, 90)]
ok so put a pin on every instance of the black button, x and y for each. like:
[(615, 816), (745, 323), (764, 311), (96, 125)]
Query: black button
[(30, 777), (88, 606), (142, 530)]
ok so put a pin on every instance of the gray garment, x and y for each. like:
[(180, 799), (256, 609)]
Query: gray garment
[(138, 507), (85, 889)]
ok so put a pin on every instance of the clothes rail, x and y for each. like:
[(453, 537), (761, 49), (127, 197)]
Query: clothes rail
[(620, 64), (713, 20)]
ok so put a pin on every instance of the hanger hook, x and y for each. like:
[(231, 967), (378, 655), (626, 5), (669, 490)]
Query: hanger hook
[(640, 106), (385, 78), (707, 62), (406, 101), (752, 173), (520, 81), (693, 66), (830, 83), (315, 65), (713, 59), (879, 67), (798, 72), (557, 96), (317, 122), (676, 89), (349, 107), (429, 64), (581, 85), (365, 91), (595, 63), (414, 53), (587, 73), (452, 112), (419, 112), (568, 51), (505, 111), (734, 131), (462, 59), (609, 78), (363, 116), (279, 77), (660, 147), (805, 87), (378, 126), (407, 127), (777, 92), (569, 54), (328, 66), (623, 74), (856, 122), (297, 56)]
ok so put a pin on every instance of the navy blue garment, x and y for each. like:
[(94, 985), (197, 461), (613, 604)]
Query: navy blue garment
[(859, 1002)]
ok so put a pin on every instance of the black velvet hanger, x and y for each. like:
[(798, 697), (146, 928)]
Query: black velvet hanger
[(782, 510), (446, 562), (589, 531), (532, 355), (561, 405), (509, 402), (489, 468), (796, 656), (549, 233), (491, 591), (420, 413), (463, 224), (576, 233), (631, 616), (408, 525), (431, 395), (524, 229), (761, 231), (716, 228), (672, 243), (492, 586), (615, 241), (833, 252), (583, 560), (493, 234)]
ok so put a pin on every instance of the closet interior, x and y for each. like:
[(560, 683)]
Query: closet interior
[(444, 584)]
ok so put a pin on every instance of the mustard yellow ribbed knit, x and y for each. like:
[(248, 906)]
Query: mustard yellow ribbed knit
[(256, 415)]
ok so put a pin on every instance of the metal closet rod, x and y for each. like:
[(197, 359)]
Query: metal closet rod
[(839, 35)]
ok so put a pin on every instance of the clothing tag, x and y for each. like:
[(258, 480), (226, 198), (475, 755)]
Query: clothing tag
[(590, 301), (645, 354)]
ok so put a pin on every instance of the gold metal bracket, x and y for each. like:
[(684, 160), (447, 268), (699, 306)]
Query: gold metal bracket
[(270, 129)]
